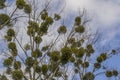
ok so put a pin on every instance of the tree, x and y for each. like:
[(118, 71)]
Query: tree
[(70, 61)]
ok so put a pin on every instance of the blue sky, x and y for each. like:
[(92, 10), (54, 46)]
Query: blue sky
[(105, 16)]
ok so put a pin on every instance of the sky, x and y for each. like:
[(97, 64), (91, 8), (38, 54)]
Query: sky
[(104, 15)]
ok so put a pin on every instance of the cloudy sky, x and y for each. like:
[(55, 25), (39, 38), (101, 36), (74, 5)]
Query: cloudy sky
[(104, 12), (104, 15)]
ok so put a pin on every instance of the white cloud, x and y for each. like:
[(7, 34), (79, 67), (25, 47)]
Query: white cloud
[(105, 12)]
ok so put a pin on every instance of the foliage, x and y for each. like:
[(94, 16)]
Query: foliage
[(2, 4), (4, 19), (37, 61)]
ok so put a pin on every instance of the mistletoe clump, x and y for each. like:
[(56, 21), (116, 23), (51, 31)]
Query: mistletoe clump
[(3, 77), (62, 30), (12, 45), (38, 39), (17, 75), (20, 4), (7, 62), (102, 57), (37, 53), (2, 4), (115, 73), (111, 73), (27, 9), (55, 56), (45, 48), (8, 38), (38, 69), (44, 15), (29, 61), (17, 65), (80, 29), (66, 54), (11, 32), (44, 27), (71, 40), (32, 28), (44, 69), (27, 47), (57, 17), (49, 20), (81, 52), (4, 19), (89, 76), (85, 64), (34, 25), (97, 65), (78, 20), (108, 73)]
